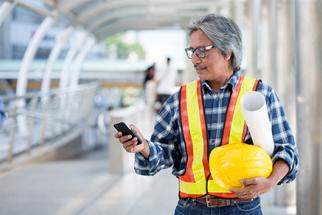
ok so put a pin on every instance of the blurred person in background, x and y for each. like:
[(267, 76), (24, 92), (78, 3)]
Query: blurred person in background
[(198, 118), (166, 78), (149, 87), (2, 113)]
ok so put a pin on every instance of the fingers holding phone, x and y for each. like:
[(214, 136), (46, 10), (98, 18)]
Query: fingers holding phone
[(132, 139), (132, 145)]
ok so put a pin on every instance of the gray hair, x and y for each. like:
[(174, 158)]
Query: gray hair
[(223, 32)]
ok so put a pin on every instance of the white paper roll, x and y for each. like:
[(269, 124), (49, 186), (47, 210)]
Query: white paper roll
[(256, 116)]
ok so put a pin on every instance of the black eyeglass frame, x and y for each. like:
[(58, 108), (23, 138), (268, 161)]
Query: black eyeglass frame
[(200, 51)]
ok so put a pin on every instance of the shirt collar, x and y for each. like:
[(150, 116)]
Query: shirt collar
[(231, 82)]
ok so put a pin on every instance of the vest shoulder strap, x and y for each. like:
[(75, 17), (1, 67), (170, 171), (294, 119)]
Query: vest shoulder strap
[(235, 126)]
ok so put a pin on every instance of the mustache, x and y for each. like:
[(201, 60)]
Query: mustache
[(198, 66)]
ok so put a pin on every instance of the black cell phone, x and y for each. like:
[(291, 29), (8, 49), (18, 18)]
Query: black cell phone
[(122, 127)]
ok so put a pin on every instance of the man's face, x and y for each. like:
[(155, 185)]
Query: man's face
[(214, 66)]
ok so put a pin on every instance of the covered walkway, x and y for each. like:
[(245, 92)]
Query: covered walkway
[(52, 160)]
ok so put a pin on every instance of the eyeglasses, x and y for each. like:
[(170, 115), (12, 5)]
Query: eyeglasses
[(200, 51)]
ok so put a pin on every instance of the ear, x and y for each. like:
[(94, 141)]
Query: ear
[(228, 56)]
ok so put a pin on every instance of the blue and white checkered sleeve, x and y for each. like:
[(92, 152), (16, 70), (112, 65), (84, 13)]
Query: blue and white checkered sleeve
[(162, 144), (143, 166), (285, 147)]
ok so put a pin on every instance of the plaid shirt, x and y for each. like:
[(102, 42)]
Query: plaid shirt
[(167, 147)]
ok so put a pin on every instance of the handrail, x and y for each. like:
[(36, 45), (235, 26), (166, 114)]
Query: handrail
[(51, 92), (49, 116)]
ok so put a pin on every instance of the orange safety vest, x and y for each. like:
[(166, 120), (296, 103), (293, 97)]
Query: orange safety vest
[(197, 181)]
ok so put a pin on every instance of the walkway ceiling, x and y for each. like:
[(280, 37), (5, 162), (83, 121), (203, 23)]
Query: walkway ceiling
[(106, 17)]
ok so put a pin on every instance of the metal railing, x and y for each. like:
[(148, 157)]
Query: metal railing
[(45, 118)]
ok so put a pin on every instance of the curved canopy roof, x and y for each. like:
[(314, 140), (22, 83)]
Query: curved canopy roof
[(106, 17)]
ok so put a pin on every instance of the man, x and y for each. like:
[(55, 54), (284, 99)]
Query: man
[(149, 87), (2, 113), (216, 52), (166, 78)]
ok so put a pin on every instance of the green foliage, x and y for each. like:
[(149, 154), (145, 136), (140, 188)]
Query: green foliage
[(123, 48)]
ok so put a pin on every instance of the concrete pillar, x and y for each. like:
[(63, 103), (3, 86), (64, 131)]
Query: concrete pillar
[(237, 11), (308, 52), (76, 67), (284, 85), (5, 14), (54, 54), (238, 15), (272, 44), (266, 42), (25, 66), (30, 53), (5, 45), (276, 68), (253, 47), (5, 10)]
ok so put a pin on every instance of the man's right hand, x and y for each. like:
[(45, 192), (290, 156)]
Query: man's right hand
[(131, 145)]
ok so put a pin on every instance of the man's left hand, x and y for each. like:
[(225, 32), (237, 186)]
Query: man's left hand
[(253, 187)]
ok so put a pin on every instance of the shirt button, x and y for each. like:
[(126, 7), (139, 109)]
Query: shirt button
[(212, 142)]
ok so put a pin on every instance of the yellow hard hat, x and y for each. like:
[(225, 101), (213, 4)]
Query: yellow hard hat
[(236, 161)]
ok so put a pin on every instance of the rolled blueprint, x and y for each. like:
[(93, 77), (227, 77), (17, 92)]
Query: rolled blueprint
[(256, 116)]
